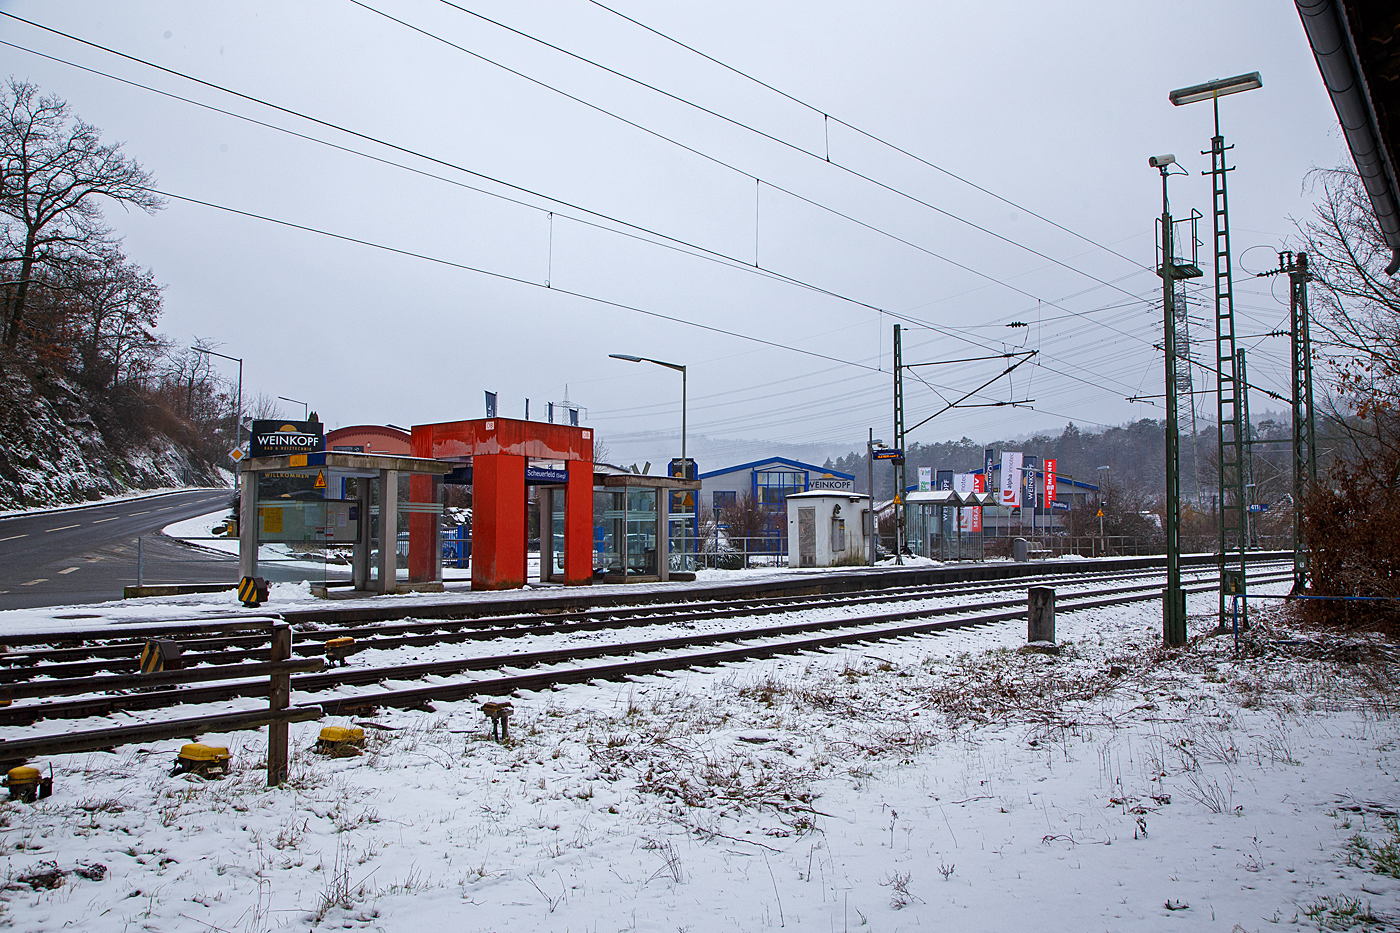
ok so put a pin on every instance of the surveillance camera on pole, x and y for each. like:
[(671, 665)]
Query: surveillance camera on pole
[(1161, 161)]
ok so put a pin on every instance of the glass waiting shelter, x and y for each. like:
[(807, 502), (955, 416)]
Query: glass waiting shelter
[(347, 510), (636, 539), (942, 523)]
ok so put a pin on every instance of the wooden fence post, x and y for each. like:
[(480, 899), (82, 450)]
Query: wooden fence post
[(279, 698)]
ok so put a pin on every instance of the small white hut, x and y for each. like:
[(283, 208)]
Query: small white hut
[(827, 528)]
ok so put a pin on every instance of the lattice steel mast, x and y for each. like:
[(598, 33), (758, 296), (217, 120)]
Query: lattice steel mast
[(1304, 427)]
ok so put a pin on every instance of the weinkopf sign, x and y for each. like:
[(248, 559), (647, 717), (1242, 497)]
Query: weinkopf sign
[(278, 438)]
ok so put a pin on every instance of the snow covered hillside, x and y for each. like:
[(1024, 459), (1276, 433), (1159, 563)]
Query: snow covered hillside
[(55, 453)]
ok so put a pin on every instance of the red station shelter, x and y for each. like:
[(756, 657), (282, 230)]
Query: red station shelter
[(500, 450)]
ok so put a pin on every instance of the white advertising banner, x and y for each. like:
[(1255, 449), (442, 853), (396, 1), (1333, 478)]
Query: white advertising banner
[(925, 479), (969, 519), (1011, 480)]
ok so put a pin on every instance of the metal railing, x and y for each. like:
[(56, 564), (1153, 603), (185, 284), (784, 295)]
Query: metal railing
[(105, 693)]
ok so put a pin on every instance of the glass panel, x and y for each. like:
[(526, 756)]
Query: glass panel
[(556, 532), (608, 531), (641, 531), (300, 535)]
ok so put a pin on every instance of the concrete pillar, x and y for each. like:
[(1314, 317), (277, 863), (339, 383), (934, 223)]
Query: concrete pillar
[(247, 524), (1040, 615), (424, 531), (498, 522), (578, 524), (388, 530)]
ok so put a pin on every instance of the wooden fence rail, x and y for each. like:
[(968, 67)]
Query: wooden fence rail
[(148, 693)]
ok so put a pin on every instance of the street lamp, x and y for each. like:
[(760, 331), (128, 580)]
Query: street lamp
[(305, 411), (685, 464), (238, 428), (1214, 90), (678, 368), (1230, 390)]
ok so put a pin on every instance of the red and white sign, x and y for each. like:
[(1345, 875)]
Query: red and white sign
[(1011, 479), (1049, 482)]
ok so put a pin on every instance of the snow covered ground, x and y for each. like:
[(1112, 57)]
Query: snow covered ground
[(947, 782)]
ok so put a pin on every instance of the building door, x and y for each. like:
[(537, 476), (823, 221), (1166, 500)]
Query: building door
[(807, 537)]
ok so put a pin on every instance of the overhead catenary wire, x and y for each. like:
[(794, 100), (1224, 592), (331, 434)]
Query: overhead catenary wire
[(827, 118), (728, 260), (506, 277), (749, 128), (733, 262)]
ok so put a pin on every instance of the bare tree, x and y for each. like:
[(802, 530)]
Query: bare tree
[(53, 170), (1352, 520), (1357, 304), (745, 518), (116, 305)]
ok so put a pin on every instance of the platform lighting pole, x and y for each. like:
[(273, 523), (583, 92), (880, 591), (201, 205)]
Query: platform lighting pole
[(1103, 541), (238, 426), (685, 464), (305, 410), (1230, 432), (900, 531), (870, 446)]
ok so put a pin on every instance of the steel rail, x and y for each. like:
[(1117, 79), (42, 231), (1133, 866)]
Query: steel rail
[(499, 686), (121, 655), (351, 676)]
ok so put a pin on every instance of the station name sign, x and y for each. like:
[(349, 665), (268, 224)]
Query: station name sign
[(545, 476), (831, 484), (278, 438)]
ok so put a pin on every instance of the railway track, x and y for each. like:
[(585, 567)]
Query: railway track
[(243, 638), (223, 646)]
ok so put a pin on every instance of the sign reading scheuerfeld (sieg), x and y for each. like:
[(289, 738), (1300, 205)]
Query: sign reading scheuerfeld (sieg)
[(831, 484), (278, 438)]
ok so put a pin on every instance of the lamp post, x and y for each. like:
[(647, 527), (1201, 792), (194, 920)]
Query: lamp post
[(296, 401), (685, 464), (238, 424), (1230, 389), (870, 446), (1103, 485)]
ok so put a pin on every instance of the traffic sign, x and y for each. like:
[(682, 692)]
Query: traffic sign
[(237, 455), (1100, 515), (320, 479)]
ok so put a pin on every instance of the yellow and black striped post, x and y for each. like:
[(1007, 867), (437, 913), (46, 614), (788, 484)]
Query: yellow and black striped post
[(252, 591)]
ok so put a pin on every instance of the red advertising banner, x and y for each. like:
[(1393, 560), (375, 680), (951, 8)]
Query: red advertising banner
[(1050, 479)]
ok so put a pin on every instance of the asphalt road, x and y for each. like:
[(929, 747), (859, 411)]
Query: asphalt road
[(88, 554)]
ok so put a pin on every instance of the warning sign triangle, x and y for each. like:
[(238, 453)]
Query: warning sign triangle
[(320, 479), (1100, 515), (898, 499)]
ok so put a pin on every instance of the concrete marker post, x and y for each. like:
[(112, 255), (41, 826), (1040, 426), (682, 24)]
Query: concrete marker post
[(1040, 615)]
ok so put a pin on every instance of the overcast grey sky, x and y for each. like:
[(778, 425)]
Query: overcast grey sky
[(1054, 107)]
